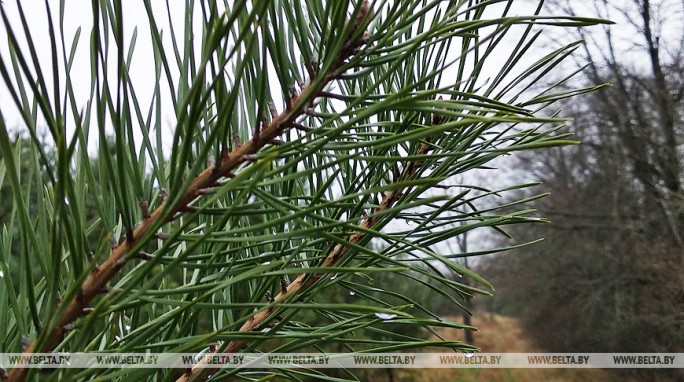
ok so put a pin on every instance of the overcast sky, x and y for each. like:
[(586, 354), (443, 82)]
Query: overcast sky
[(78, 14)]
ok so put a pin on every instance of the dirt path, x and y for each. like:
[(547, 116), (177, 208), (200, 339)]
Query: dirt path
[(499, 334)]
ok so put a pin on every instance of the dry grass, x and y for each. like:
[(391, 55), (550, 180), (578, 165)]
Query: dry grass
[(498, 334)]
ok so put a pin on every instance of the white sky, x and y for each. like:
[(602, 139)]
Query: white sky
[(78, 14)]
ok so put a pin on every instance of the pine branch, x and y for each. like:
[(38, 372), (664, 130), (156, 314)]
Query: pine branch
[(305, 280), (96, 282)]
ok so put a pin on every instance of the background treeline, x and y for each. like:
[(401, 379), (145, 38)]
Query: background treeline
[(609, 276)]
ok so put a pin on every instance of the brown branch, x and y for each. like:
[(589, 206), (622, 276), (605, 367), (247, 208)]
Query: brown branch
[(302, 282), (96, 281)]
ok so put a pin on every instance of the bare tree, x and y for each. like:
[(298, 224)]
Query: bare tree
[(641, 113), (608, 277)]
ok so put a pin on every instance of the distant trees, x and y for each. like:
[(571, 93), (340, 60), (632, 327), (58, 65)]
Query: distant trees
[(640, 120), (609, 276), (643, 112)]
